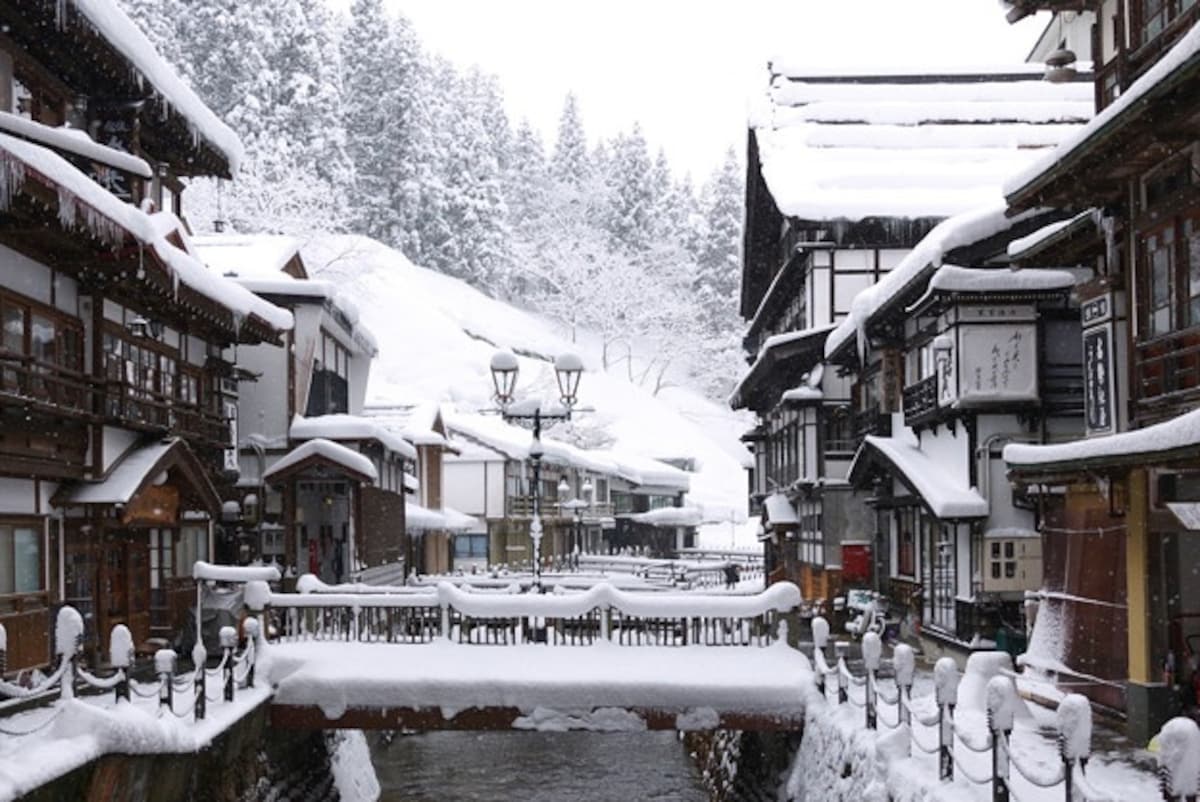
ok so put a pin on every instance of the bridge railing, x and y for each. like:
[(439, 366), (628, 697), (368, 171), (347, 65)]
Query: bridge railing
[(601, 613), (185, 693), (937, 726)]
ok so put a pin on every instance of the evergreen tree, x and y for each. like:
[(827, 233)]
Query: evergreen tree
[(632, 202), (719, 258), (569, 164)]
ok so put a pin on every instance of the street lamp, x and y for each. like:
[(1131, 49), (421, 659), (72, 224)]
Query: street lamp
[(568, 369)]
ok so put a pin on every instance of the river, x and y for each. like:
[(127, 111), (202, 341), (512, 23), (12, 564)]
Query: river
[(536, 767)]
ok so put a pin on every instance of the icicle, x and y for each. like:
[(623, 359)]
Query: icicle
[(66, 208), (12, 176)]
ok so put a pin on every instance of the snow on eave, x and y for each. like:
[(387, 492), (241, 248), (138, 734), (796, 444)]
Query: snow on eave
[(329, 450), (120, 31), (1183, 54), (1029, 245), (349, 427), (770, 344), (803, 393), (130, 473), (82, 202), (938, 488), (1164, 440), (783, 64), (780, 511), (249, 256), (955, 232), (952, 279), (76, 141)]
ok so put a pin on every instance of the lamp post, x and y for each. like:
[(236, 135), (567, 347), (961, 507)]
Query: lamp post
[(568, 369)]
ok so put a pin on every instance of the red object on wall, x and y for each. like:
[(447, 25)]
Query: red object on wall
[(856, 562)]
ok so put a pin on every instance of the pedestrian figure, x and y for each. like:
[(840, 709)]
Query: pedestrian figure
[(731, 576)]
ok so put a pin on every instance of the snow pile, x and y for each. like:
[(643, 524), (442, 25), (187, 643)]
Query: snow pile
[(834, 149), (202, 570), (350, 763), (1179, 756), (437, 336), (1074, 720)]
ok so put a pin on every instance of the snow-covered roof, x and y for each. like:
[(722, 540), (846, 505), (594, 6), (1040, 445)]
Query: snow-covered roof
[(669, 516), (803, 393), (84, 202), (907, 145), (417, 517), (107, 18), (1023, 247), (956, 232), (1186, 52), (327, 450), (952, 278), (1158, 441), (514, 443), (945, 493), (415, 422), (74, 140), (247, 256), (780, 511), (768, 352), (349, 427), (123, 481)]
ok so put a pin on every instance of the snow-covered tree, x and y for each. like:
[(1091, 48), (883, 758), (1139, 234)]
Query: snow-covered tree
[(569, 163)]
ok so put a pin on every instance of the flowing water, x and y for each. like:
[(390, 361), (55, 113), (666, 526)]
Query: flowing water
[(536, 767)]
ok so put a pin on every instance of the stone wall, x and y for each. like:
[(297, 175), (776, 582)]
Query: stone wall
[(249, 762)]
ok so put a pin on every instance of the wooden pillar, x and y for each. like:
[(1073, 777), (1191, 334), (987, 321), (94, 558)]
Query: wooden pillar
[(1137, 580)]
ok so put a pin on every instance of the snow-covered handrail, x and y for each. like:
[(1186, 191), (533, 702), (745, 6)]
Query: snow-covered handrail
[(1179, 758), (234, 573), (68, 639), (601, 612)]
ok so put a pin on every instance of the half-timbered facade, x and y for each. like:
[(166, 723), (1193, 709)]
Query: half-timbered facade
[(846, 174), (118, 388), (1125, 495)]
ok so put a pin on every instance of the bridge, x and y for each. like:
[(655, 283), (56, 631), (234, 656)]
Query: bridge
[(602, 659), (416, 658)]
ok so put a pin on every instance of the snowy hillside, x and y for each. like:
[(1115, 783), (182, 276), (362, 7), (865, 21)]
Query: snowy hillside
[(436, 335)]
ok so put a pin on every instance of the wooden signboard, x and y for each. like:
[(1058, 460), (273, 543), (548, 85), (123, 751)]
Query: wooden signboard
[(155, 505)]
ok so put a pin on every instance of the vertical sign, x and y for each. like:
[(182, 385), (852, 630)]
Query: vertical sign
[(1099, 385)]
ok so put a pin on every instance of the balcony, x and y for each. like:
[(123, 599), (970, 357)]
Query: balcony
[(920, 401), (872, 422), (522, 507), (1167, 373), (47, 387), (137, 406)]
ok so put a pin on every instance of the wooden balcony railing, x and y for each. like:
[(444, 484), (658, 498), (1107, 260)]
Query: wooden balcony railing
[(130, 404), (1168, 369), (522, 507), (29, 382), (920, 400), (872, 421)]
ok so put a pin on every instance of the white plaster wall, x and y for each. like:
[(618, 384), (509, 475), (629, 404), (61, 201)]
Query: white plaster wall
[(17, 497), (262, 404)]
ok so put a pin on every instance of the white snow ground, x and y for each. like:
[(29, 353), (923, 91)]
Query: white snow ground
[(436, 335)]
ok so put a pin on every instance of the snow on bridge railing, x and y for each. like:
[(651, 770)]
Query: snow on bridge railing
[(70, 678), (990, 679), (600, 613)]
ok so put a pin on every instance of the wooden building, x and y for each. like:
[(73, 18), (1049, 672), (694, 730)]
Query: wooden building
[(1125, 496), (846, 173), (118, 391), (321, 515)]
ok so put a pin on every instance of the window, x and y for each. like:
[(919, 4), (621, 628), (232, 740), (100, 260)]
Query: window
[(330, 391), (193, 546), (1157, 15), (1002, 559), (1191, 237), (20, 559), (471, 546), (1161, 274), (906, 520)]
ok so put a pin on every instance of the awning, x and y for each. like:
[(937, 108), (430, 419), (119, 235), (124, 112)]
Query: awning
[(944, 495), (780, 514), (796, 352), (321, 454), (668, 517), (418, 518), (143, 467), (1171, 441)]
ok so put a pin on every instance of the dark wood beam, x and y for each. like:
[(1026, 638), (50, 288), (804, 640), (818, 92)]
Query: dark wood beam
[(304, 717)]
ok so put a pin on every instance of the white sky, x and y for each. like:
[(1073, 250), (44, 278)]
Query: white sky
[(685, 68)]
